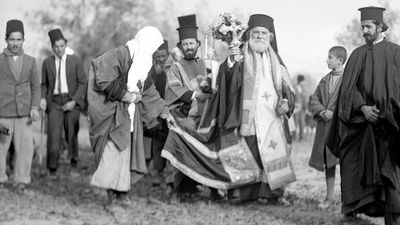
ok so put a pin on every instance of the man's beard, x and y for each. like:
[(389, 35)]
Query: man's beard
[(159, 67), (190, 54), (258, 45), (370, 38)]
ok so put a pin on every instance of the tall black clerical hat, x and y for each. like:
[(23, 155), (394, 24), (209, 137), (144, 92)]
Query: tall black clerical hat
[(372, 13), (262, 20), (187, 27), (164, 46), (13, 26), (56, 35)]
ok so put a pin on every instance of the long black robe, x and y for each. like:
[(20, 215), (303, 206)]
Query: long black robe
[(369, 153)]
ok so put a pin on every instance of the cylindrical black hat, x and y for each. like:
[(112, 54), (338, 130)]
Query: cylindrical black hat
[(372, 13), (261, 20), (13, 26), (187, 27)]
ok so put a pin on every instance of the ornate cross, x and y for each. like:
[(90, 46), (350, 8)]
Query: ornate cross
[(272, 144), (266, 95)]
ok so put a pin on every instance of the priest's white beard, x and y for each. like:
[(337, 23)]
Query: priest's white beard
[(258, 45)]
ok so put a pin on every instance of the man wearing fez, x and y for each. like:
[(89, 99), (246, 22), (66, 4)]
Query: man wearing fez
[(64, 84), (158, 75), (183, 85), (365, 132), (118, 108), (19, 104), (259, 90)]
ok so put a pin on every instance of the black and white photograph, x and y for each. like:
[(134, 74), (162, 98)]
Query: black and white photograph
[(229, 112)]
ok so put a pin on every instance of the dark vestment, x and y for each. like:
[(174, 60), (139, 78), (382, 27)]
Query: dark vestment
[(214, 154), (369, 153)]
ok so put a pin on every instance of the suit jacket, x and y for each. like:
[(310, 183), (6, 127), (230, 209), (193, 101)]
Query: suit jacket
[(76, 79), (18, 96)]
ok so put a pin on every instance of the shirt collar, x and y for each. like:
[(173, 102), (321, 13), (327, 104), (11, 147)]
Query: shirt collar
[(376, 42), (63, 57)]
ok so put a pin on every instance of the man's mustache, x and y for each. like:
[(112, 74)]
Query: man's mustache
[(367, 35)]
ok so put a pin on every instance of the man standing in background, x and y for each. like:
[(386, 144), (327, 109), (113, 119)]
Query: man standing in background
[(183, 87), (158, 75), (64, 86), (300, 107)]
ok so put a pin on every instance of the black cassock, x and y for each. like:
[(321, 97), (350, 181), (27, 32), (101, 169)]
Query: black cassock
[(369, 153)]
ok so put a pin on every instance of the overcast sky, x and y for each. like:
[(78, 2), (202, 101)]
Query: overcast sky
[(305, 29)]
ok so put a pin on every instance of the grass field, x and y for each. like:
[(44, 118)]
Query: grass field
[(73, 201)]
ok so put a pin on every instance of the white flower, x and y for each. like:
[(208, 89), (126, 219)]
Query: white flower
[(232, 18), (225, 29)]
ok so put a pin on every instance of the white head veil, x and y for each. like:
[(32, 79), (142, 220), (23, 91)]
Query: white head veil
[(146, 42)]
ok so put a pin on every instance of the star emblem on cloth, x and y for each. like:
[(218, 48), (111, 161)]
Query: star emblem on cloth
[(273, 144), (266, 95)]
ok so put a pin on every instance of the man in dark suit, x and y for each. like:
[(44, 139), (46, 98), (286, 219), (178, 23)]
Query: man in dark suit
[(64, 85), (19, 104)]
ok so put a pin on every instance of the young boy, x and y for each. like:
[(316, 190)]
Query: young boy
[(323, 102)]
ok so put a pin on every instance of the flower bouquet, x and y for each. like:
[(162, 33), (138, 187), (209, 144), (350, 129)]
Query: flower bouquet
[(229, 30)]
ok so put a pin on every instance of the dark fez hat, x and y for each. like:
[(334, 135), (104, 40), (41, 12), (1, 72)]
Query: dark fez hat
[(187, 27), (262, 20), (372, 13), (56, 35), (13, 26), (164, 46)]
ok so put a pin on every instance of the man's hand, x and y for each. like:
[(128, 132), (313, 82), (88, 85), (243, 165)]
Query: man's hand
[(200, 96), (132, 97), (43, 104), (136, 98), (169, 118), (326, 115), (4, 129), (68, 106), (233, 50), (34, 115), (371, 113), (283, 108), (171, 121)]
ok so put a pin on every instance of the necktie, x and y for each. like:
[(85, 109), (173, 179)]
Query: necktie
[(59, 77)]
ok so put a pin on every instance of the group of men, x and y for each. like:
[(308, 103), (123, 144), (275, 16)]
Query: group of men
[(60, 91), (233, 136)]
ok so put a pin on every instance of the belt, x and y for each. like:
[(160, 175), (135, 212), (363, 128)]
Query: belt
[(62, 95)]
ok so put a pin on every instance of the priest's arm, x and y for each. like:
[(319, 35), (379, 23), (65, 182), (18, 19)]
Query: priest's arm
[(175, 91)]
